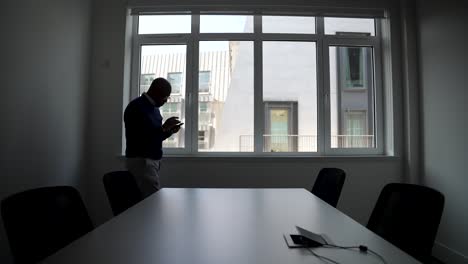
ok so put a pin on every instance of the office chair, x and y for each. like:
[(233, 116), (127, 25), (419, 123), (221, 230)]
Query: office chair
[(408, 216), (122, 190), (328, 185), (39, 222)]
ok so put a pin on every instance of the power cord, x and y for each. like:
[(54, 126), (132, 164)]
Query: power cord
[(322, 257), (362, 248)]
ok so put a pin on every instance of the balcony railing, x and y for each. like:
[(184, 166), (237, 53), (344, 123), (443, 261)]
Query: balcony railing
[(352, 141), (304, 143), (280, 143)]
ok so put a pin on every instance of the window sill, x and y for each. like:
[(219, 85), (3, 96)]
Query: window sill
[(249, 157)]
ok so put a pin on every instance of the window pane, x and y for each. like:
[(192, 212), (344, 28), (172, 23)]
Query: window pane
[(145, 81), (225, 115), (204, 79), (203, 107), (164, 24), (167, 61), (346, 26), (175, 78), (290, 96), (285, 24), (352, 97), (226, 24)]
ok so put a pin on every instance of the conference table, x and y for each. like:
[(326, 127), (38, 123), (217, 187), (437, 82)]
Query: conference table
[(224, 226)]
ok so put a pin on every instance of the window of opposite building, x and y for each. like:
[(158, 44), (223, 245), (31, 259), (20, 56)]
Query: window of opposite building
[(354, 67), (145, 81), (281, 128), (175, 78), (204, 81), (170, 108), (265, 84)]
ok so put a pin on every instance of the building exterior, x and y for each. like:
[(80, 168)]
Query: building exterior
[(214, 81)]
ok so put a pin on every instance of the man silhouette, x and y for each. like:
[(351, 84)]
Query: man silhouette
[(145, 132)]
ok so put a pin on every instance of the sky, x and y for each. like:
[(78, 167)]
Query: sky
[(167, 24)]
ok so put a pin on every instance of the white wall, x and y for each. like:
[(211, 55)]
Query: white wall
[(44, 78), (365, 176), (443, 66)]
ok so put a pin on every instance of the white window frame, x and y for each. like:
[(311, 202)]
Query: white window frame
[(323, 42)]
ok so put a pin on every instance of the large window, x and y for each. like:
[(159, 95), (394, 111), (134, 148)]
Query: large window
[(265, 84)]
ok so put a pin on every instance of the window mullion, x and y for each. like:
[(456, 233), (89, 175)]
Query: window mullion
[(325, 98), (379, 97), (135, 87), (320, 26), (258, 86), (192, 93), (323, 88)]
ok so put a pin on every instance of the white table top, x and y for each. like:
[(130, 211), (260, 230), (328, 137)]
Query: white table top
[(223, 226)]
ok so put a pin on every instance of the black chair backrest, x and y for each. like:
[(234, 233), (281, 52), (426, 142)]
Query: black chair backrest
[(122, 190), (408, 216), (41, 221), (328, 185)]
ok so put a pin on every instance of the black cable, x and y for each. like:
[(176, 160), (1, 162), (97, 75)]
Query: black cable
[(322, 257), (378, 255), (340, 247), (361, 248)]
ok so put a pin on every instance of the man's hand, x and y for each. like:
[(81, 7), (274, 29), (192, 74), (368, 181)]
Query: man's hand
[(176, 128), (170, 124)]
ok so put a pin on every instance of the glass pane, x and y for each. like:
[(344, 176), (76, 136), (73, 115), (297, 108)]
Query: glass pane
[(285, 24), (164, 24), (352, 97), (225, 115), (226, 24), (290, 96), (347, 26), (167, 61)]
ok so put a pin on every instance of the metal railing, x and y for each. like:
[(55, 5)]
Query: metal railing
[(352, 141), (304, 143), (280, 143)]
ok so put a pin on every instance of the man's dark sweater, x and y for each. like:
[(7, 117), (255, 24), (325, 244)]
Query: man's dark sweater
[(143, 129)]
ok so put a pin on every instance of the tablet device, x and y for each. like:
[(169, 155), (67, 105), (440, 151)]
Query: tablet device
[(318, 239), (304, 239), (299, 241)]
